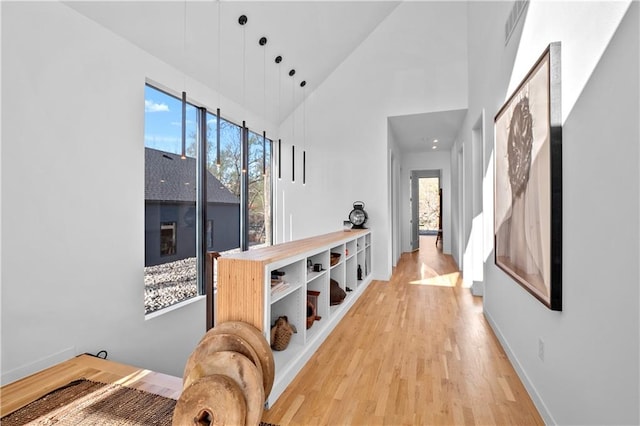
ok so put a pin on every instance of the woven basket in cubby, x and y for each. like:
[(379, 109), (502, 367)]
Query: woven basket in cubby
[(281, 334)]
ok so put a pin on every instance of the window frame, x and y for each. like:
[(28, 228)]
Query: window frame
[(201, 146)]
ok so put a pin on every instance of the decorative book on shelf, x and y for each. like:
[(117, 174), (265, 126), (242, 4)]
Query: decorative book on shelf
[(278, 285)]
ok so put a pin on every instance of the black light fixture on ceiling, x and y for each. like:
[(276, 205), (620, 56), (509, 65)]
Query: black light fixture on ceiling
[(292, 72), (242, 20), (278, 60), (184, 125), (304, 134), (184, 93), (264, 152), (244, 150), (263, 42), (279, 158), (218, 161), (245, 147)]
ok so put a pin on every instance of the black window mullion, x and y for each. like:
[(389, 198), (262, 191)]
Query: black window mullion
[(201, 199)]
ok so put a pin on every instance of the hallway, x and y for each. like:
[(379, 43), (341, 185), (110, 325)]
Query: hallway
[(415, 350)]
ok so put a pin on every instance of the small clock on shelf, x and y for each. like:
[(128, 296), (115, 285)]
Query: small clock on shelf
[(358, 217)]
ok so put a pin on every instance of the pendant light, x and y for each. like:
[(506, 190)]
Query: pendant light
[(218, 161), (262, 42), (292, 72), (184, 83), (278, 60), (279, 158), (184, 125), (264, 153), (304, 133), (242, 20), (244, 179)]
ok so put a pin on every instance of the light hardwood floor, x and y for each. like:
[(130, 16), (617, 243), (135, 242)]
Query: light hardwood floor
[(415, 350), (18, 394), (412, 351)]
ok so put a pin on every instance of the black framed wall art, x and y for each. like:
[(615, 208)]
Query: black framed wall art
[(528, 182)]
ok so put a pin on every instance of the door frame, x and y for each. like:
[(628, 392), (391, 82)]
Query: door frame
[(414, 178)]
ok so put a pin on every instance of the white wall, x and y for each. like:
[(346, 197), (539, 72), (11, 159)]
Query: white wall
[(73, 195), (590, 372), (413, 62), (456, 207), (73, 171), (395, 206)]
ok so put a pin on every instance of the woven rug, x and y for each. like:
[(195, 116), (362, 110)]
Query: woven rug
[(84, 402)]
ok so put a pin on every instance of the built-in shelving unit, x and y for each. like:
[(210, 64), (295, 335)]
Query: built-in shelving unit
[(245, 291)]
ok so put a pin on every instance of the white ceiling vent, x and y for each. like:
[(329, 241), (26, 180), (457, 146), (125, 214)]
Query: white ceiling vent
[(516, 11)]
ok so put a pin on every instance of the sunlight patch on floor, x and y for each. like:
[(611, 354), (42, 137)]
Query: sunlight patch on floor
[(132, 378), (430, 277)]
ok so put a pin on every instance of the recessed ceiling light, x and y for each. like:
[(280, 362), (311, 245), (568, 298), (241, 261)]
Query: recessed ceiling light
[(435, 141), (433, 147)]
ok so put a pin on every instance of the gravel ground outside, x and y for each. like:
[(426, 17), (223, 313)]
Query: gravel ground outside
[(169, 283), (173, 282)]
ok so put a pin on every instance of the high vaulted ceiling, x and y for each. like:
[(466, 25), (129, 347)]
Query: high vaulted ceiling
[(203, 39), (313, 37)]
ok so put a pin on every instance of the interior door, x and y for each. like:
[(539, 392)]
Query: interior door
[(414, 200)]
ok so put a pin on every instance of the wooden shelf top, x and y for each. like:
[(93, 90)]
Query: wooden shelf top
[(281, 251)]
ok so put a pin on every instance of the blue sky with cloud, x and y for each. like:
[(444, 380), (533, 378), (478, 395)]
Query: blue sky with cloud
[(163, 117)]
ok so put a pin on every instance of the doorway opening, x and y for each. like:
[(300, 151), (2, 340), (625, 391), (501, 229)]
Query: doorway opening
[(426, 206)]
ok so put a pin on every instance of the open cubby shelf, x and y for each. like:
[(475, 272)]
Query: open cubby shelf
[(304, 265)]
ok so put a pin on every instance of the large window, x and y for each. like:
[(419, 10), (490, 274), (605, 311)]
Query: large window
[(170, 201), (183, 217), (259, 197), (224, 164)]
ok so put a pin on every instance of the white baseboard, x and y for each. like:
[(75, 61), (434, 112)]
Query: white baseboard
[(34, 367), (531, 390)]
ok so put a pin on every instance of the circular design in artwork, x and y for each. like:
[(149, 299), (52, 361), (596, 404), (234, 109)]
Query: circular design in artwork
[(519, 146)]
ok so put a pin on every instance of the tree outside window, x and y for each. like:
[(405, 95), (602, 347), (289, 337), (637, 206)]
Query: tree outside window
[(171, 227)]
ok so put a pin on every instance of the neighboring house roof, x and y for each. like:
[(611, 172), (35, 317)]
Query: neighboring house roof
[(167, 177)]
